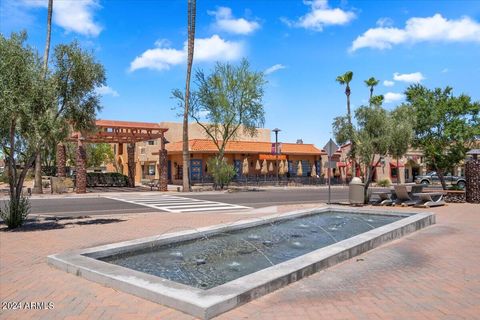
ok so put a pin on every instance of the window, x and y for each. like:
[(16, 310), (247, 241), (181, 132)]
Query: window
[(142, 150), (151, 169), (151, 142)]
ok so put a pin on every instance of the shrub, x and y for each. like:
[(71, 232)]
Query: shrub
[(384, 183), (222, 172), (15, 212)]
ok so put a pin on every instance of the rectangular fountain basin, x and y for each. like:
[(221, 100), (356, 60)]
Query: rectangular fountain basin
[(207, 271)]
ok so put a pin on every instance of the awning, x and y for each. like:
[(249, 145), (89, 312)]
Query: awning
[(272, 157), (341, 164), (393, 164)]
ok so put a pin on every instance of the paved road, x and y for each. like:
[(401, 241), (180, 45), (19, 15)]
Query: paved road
[(256, 199)]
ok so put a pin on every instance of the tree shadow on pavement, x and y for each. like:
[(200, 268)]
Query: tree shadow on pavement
[(53, 223)]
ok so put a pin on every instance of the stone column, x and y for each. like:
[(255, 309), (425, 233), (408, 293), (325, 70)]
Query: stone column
[(61, 160), (472, 177), (131, 164), (81, 167), (163, 166)]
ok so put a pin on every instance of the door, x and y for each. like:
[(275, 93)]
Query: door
[(196, 169), (238, 167)]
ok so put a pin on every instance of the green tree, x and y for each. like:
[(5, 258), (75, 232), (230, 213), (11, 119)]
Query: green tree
[(99, 154), (228, 100), (401, 134), (221, 172), (345, 79), (371, 137), (191, 13), (371, 83), (20, 127), (445, 125)]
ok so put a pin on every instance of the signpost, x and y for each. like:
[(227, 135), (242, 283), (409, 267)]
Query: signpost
[(330, 148)]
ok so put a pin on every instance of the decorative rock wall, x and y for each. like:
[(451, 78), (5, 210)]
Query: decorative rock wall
[(455, 196), (163, 167), (472, 175)]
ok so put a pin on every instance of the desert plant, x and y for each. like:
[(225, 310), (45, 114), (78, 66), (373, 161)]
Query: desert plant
[(14, 212), (222, 172), (384, 183)]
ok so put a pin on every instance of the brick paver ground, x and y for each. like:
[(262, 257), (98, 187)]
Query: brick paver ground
[(431, 274)]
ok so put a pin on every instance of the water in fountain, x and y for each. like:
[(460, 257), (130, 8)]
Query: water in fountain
[(212, 260)]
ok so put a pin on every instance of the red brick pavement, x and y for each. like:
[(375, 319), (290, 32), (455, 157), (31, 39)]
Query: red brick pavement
[(431, 274)]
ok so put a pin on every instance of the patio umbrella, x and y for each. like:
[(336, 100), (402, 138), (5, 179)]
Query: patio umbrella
[(270, 167), (281, 168), (257, 165), (285, 167), (264, 169), (314, 171), (299, 169), (245, 167)]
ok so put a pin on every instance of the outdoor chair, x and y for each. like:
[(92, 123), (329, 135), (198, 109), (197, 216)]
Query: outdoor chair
[(155, 183), (385, 198), (403, 197), (429, 199)]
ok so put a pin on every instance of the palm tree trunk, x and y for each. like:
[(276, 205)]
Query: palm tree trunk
[(352, 143), (38, 159), (191, 44)]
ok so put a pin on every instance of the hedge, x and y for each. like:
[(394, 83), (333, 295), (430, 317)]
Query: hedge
[(109, 179)]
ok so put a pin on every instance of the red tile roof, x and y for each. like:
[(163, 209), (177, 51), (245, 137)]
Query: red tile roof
[(207, 146)]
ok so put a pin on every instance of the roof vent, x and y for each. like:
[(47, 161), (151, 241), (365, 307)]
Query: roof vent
[(299, 141)]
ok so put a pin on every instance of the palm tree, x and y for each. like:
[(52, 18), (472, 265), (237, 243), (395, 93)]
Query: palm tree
[(38, 159), (191, 44), (345, 79), (371, 83)]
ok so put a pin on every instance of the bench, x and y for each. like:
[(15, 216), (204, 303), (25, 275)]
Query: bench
[(429, 199)]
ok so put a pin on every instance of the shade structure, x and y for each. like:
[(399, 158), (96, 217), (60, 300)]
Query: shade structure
[(245, 167), (270, 167), (257, 165), (281, 168), (314, 171), (264, 169), (299, 169)]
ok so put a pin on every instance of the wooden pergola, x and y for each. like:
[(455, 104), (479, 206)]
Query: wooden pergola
[(112, 131)]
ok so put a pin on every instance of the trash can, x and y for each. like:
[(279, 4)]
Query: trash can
[(356, 191)]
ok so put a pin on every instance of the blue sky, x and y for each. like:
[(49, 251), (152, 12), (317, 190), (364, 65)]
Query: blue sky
[(304, 45)]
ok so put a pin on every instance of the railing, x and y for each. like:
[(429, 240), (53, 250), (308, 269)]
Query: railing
[(272, 181)]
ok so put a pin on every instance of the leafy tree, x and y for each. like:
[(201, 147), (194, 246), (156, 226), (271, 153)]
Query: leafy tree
[(345, 79), (371, 83), (20, 127), (98, 154), (445, 125), (371, 137), (229, 99), (401, 134)]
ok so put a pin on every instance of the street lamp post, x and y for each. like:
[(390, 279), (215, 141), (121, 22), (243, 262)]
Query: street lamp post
[(276, 130)]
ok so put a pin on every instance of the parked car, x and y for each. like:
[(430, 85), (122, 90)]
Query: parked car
[(432, 178)]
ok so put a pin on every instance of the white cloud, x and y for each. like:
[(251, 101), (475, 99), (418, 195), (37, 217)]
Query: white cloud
[(73, 16), (390, 97), (388, 83), (274, 68), (429, 29), (408, 77), (206, 49), (107, 91), (225, 21), (321, 15), (445, 70), (385, 22)]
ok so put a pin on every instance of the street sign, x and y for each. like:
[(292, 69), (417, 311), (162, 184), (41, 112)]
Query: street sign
[(330, 147)]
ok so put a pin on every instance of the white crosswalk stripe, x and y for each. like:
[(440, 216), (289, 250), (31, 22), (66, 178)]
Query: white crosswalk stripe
[(176, 204)]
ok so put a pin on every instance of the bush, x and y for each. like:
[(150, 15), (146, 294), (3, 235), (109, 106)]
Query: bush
[(15, 212), (221, 172), (384, 183)]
